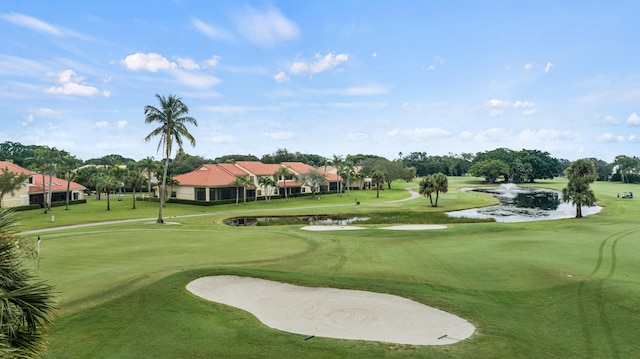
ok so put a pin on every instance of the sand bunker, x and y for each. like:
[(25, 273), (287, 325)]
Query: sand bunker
[(335, 313)]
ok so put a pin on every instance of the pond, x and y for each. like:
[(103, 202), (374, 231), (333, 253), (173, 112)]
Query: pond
[(317, 220), (523, 204)]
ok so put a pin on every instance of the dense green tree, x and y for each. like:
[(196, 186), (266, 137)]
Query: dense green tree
[(603, 169), (580, 174), (10, 182), (184, 163), (626, 167), (541, 164), (491, 170), (235, 158), (313, 179), (172, 119), (27, 304)]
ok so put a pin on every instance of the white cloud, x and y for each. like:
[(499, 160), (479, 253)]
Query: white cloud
[(319, 64), (285, 135), (45, 112), (187, 64), (633, 119), (419, 134), (122, 124), (609, 137), (211, 31), (357, 136), (213, 61), (102, 124), (70, 85), (356, 105), (548, 67), (466, 136), (537, 136), (238, 109), (523, 104), (196, 79), (494, 135), (528, 66), (32, 23), (497, 107), (375, 54), (353, 91), (632, 138), (266, 28), (431, 68), (150, 62), (281, 77)]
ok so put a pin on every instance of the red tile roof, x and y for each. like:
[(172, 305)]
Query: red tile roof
[(258, 168), (209, 175), (57, 184)]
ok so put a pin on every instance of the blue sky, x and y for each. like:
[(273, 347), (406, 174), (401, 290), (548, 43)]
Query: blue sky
[(325, 77)]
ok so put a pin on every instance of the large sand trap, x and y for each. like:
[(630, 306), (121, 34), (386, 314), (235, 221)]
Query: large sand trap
[(335, 313)]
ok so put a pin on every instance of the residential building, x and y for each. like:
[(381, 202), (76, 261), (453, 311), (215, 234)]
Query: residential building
[(33, 191)]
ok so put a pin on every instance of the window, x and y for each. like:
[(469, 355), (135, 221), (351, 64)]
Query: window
[(200, 194)]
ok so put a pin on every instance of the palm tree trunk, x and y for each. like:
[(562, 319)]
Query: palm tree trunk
[(68, 190), (44, 192), (164, 187)]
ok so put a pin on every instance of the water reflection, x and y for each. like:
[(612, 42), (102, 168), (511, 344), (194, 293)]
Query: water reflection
[(523, 204)]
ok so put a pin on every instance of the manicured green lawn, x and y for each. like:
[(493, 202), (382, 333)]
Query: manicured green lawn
[(552, 289)]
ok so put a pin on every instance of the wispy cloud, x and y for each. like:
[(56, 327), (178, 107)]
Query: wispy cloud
[(418, 134), (528, 66), (352, 91), (211, 31), (318, 64), (548, 67), (265, 28), (497, 107), (285, 135), (40, 26)]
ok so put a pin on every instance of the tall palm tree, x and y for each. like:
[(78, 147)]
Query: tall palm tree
[(244, 182), (172, 119), (27, 305), (69, 165), (283, 172), (378, 177), (39, 163), (135, 179), (53, 158), (149, 165), (267, 182)]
